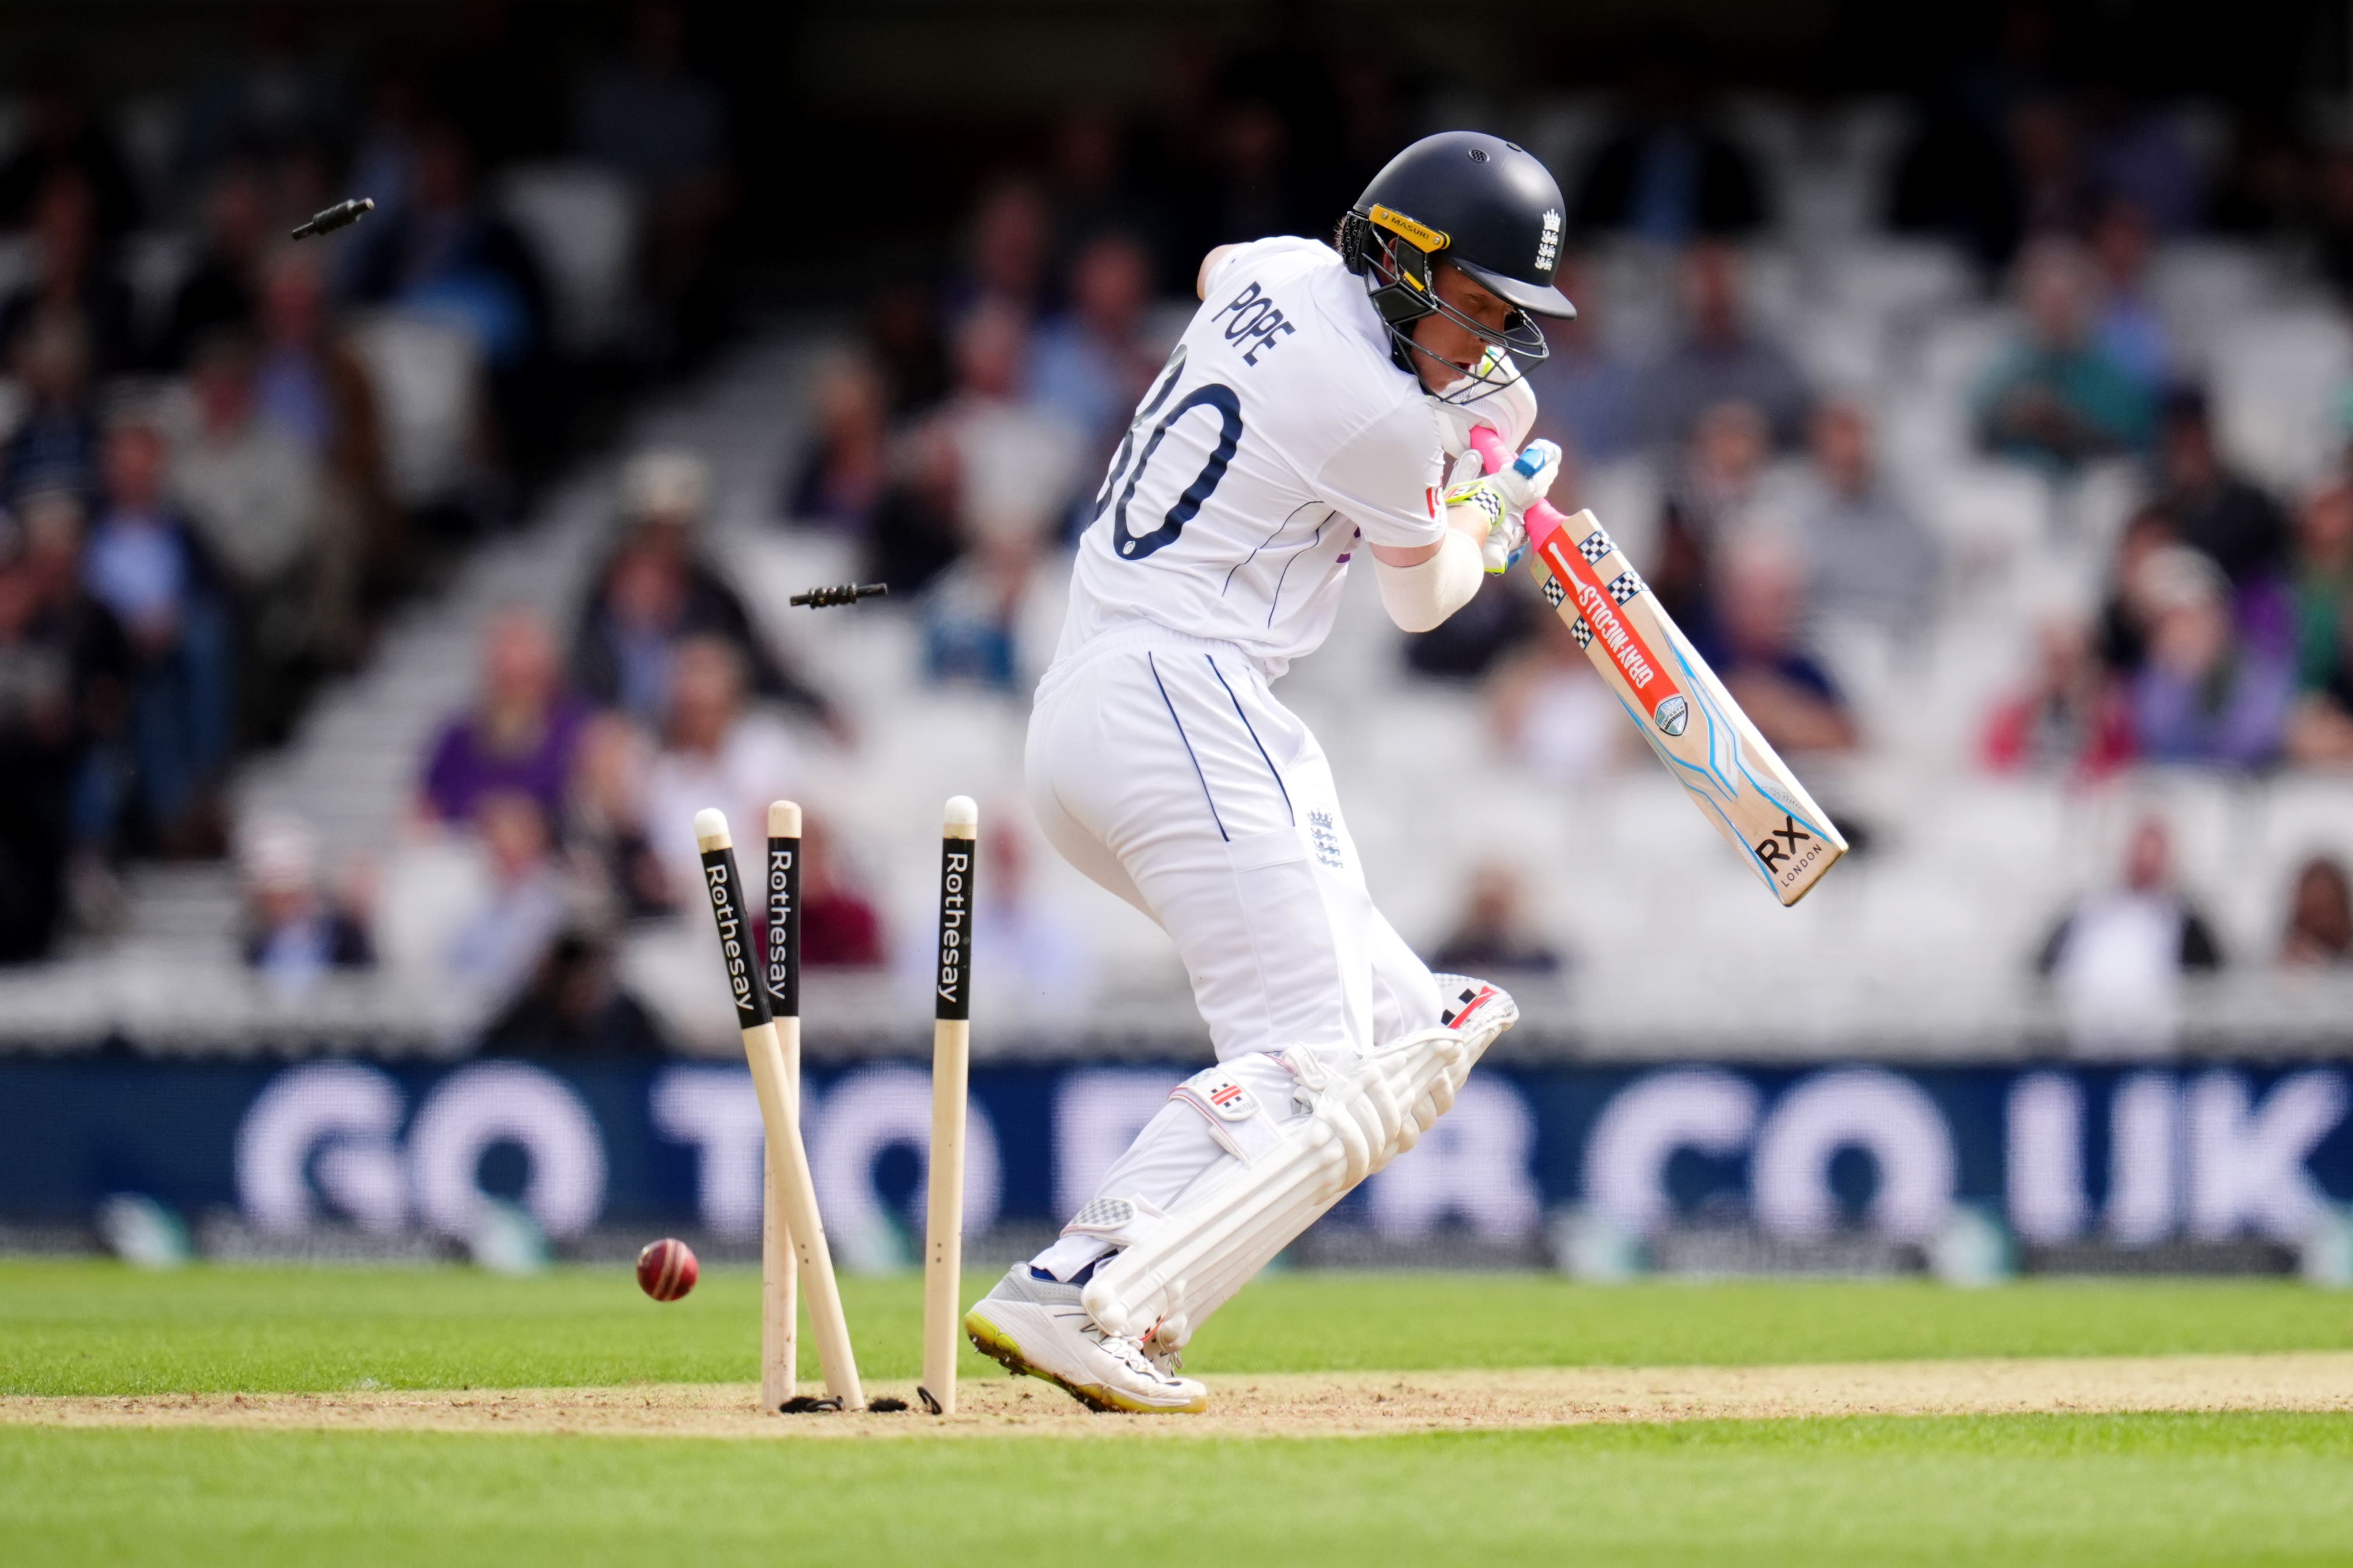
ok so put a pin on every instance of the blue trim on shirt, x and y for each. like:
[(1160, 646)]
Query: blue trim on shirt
[(1224, 587), (1276, 597)]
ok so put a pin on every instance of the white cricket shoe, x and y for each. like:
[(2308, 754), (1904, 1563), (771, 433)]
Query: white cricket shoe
[(1037, 1327), (1165, 1361)]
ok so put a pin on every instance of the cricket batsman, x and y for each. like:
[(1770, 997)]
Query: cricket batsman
[(1318, 405)]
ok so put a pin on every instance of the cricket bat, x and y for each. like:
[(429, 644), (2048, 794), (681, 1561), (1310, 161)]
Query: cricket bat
[(1707, 743)]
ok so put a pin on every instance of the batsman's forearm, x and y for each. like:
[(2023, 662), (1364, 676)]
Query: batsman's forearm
[(1472, 522), (1421, 596)]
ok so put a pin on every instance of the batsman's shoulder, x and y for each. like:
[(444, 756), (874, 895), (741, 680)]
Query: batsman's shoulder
[(1229, 265)]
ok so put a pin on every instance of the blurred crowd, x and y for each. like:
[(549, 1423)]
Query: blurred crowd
[(959, 441), (553, 810), (206, 510), (225, 457), (2117, 956), (550, 810), (960, 438)]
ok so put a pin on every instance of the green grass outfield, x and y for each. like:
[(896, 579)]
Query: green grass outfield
[(2044, 1490), (99, 1328), (2054, 1488)]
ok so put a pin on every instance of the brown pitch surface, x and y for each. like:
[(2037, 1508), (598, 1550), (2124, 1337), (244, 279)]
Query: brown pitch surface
[(1314, 1404)]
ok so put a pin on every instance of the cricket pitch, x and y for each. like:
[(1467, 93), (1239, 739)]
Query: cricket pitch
[(1309, 1404)]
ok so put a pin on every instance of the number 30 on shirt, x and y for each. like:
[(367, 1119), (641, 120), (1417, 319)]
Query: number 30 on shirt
[(1212, 400)]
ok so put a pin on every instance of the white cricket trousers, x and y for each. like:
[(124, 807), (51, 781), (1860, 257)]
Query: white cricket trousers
[(1161, 766)]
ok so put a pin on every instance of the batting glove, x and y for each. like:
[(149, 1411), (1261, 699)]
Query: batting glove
[(1529, 478), (1506, 498)]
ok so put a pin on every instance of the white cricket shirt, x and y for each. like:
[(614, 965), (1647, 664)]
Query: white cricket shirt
[(1278, 436)]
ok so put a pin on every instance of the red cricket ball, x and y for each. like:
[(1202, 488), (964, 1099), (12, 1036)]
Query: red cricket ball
[(665, 1269)]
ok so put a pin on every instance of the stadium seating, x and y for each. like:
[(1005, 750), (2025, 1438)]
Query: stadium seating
[(1923, 944)]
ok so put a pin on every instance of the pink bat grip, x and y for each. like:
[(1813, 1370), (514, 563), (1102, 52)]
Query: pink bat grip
[(1542, 520)]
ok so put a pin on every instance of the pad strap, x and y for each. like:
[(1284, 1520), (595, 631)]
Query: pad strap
[(1239, 1119)]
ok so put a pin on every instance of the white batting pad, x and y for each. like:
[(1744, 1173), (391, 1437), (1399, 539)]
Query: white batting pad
[(1362, 1111)]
